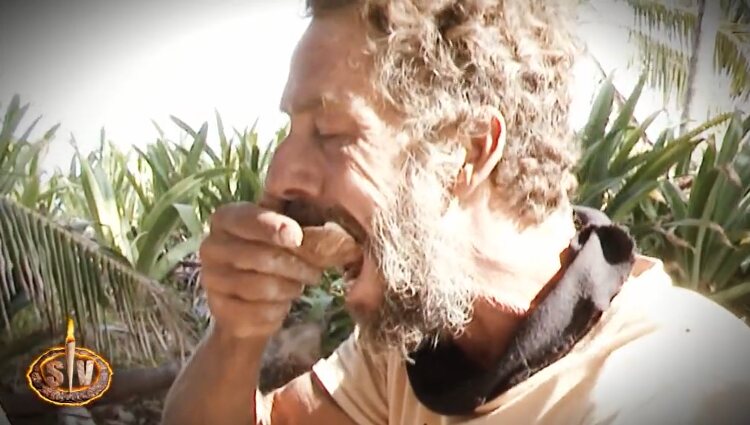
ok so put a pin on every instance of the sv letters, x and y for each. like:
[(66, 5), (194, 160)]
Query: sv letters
[(54, 376)]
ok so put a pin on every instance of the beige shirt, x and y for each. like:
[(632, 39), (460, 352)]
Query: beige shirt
[(659, 355)]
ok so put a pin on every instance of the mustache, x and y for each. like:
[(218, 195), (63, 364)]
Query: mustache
[(309, 213)]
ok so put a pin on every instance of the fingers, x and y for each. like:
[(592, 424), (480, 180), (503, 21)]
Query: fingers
[(250, 222), (243, 255), (250, 286), (253, 267)]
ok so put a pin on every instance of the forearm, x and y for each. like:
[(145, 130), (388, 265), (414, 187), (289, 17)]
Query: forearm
[(218, 386)]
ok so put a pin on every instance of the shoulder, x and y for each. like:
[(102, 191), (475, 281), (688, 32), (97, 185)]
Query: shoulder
[(355, 379), (689, 364)]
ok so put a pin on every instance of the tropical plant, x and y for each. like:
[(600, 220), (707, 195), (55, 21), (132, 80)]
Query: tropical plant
[(57, 273), (143, 237), (248, 162), (20, 175), (669, 35), (618, 168), (150, 205), (704, 233), (145, 211), (698, 223), (49, 271)]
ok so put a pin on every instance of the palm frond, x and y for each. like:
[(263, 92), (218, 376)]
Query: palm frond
[(732, 56), (677, 23), (61, 273), (736, 11), (666, 66)]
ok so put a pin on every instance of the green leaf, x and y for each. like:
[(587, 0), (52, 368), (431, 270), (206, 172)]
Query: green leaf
[(626, 112), (103, 206), (731, 142), (196, 150), (599, 156), (222, 134), (733, 293), (163, 218), (655, 165), (178, 193), (190, 218), (600, 111), (13, 116), (160, 175), (624, 202), (703, 224), (675, 199), (172, 258), (733, 178), (137, 186), (180, 123), (618, 164), (703, 182), (592, 195)]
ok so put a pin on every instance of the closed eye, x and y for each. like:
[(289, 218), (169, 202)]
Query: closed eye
[(328, 137)]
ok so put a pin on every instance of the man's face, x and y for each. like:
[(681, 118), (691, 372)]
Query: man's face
[(346, 151)]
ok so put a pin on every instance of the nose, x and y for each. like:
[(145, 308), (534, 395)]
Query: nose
[(296, 170)]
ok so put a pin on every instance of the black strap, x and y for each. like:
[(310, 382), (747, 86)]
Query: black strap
[(448, 383)]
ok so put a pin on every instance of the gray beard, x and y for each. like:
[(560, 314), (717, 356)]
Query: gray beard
[(424, 261)]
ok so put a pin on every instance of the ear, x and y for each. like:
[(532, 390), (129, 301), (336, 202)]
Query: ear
[(483, 155)]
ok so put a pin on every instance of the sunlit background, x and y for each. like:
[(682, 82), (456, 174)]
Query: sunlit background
[(120, 65)]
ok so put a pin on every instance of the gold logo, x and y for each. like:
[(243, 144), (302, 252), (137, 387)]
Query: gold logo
[(93, 374)]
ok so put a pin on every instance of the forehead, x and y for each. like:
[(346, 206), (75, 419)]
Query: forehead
[(329, 62)]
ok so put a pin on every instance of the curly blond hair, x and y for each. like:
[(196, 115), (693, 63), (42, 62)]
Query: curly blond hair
[(440, 63)]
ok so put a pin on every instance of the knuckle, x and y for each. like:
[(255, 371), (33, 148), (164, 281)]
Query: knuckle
[(284, 289), (272, 290), (216, 304), (274, 312), (206, 250), (206, 277), (218, 217), (313, 276), (211, 280), (225, 214)]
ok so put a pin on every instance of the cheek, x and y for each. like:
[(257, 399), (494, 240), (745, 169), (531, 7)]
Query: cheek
[(361, 180), (375, 168)]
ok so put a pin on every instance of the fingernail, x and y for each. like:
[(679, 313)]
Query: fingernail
[(289, 237)]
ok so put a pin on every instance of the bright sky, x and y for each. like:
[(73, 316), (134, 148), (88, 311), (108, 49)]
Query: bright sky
[(89, 64)]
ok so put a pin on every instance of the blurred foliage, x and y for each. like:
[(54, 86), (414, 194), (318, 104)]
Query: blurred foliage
[(664, 33)]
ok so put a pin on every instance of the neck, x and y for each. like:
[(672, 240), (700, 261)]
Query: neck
[(516, 265)]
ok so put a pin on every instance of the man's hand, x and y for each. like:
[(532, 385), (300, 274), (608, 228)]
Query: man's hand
[(251, 271), (253, 266)]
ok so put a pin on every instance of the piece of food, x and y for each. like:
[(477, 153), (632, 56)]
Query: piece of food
[(332, 238), (329, 246)]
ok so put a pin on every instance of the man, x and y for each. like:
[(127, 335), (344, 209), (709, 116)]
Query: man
[(435, 133)]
